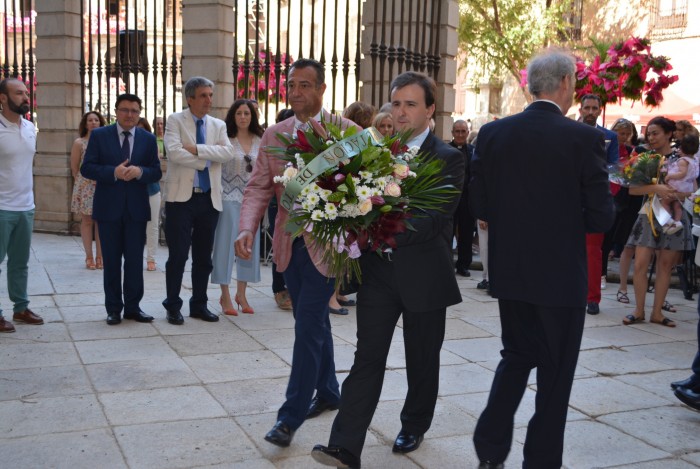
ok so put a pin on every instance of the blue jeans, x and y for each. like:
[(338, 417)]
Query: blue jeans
[(313, 365), (15, 241)]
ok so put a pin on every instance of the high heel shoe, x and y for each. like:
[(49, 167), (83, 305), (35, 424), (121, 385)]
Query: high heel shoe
[(245, 309), (227, 312), (98, 263), (90, 263)]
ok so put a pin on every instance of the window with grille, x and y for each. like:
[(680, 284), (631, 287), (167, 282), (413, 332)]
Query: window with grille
[(671, 15)]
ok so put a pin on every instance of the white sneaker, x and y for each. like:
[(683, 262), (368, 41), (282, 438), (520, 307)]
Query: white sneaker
[(603, 283)]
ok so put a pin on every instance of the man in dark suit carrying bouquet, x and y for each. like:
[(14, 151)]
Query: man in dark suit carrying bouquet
[(414, 281)]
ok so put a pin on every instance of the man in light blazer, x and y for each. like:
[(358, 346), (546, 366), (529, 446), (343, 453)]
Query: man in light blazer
[(415, 282), (538, 169), (313, 366), (123, 159), (196, 144)]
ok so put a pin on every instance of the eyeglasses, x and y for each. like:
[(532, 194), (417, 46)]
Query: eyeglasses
[(249, 163), (129, 111)]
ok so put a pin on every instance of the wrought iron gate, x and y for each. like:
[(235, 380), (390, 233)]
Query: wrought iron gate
[(131, 46), (17, 46)]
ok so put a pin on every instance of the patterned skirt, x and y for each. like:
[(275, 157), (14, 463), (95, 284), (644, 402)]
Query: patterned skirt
[(83, 192)]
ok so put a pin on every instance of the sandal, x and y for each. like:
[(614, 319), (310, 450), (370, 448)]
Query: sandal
[(98, 263), (668, 307), (664, 322), (90, 263), (622, 297), (632, 319)]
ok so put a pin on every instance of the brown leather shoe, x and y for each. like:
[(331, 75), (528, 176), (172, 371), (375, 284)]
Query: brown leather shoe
[(6, 326), (28, 317)]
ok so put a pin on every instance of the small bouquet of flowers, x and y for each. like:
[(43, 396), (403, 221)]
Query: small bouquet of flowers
[(355, 190), (641, 169)]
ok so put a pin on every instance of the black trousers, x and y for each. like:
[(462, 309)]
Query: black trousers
[(464, 224), (533, 337), (123, 238), (379, 307), (191, 223)]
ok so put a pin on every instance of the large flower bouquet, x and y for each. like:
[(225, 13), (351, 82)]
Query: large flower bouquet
[(640, 170), (355, 190)]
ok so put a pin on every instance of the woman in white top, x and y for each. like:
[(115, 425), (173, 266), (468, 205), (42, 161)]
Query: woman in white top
[(244, 131)]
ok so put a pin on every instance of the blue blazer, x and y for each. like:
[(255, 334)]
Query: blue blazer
[(113, 198), (613, 151)]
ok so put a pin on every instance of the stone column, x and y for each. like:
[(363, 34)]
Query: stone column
[(207, 47), (59, 111), (447, 51)]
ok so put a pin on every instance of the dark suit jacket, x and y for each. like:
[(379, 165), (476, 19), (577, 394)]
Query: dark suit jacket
[(540, 181), (423, 268), (115, 197), (613, 151)]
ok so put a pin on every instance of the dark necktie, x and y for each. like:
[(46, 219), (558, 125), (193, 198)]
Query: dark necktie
[(126, 149), (204, 182)]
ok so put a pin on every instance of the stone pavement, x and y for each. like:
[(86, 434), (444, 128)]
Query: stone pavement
[(77, 393)]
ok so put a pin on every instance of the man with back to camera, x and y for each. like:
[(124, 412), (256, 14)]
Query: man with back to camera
[(17, 148), (415, 281), (196, 144), (558, 183), (591, 108), (123, 159)]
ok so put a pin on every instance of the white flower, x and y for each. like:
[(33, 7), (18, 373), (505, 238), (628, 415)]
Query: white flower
[(366, 175), (324, 194), (281, 179), (300, 161), (306, 191), (307, 206), (350, 211), (380, 182), (290, 172), (363, 192), (317, 215), (411, 174), (313, 199), (331, 212)]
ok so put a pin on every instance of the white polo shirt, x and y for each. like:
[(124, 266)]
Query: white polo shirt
[(17, 148)]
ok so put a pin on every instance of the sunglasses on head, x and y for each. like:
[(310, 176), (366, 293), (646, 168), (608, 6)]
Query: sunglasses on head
[(249, 163)]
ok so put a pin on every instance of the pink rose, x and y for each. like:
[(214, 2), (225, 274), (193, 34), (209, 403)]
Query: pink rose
[(401, 171), (392, 190)]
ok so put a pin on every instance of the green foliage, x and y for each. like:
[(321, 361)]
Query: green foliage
[(500, 36)]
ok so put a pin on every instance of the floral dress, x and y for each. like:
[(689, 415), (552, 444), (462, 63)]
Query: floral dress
[(83, 189)]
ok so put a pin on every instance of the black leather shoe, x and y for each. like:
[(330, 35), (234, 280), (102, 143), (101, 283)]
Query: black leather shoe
[(204, 315), (593, 308), (138, 316), (688, 397), (280, 434), (339, 311), (463, 271), (114, 318), (689, 383), (175, 317), (406, 442), (490, 465), (318, 406), (334, 456)]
